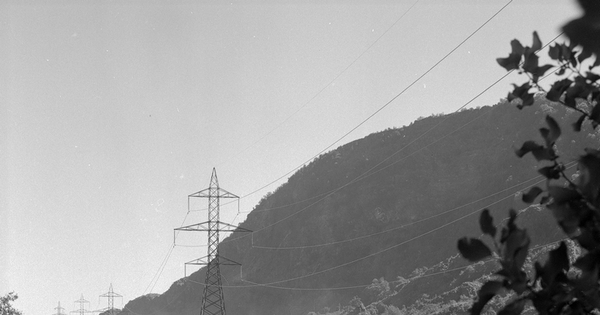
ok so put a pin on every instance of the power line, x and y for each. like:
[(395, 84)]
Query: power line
[(326, 85), (371, 171), (364, 175), (170, 250), (402, 243), (403, 225), (163, 264), (386, 104), (255, 284), (390, 101)]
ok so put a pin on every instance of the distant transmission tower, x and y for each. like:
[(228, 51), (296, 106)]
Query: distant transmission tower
[(110, 295), (213, 302), (81, 309), (59, 310)]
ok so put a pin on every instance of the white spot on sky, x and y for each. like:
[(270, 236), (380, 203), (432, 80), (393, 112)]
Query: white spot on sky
[(74, 35), (372, 30), (424, 86), (47, 59), (159, 202), (181, 176)]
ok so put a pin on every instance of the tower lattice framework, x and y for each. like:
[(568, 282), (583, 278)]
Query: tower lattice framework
[(59, 310), (110, 295), (213, 302), (81, 309)]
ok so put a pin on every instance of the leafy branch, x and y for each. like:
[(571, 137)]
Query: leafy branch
[(574, 204)]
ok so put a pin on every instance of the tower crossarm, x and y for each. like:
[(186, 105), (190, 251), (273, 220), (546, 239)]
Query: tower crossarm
[(217, 226), (213, 300), (203, 261), (213, 193)]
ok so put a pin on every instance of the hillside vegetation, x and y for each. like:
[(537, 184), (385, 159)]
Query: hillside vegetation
[(372, 225)]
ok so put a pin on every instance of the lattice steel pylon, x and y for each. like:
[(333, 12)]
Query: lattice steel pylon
[(110, 295), (59, 310), (213, 302), (81, 309)]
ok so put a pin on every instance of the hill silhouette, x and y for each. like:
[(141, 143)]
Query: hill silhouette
[(388, 207)]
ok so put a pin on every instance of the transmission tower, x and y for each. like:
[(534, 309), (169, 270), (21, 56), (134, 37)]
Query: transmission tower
[(59, 310), (110, 295), (213, 302), (81, 309)]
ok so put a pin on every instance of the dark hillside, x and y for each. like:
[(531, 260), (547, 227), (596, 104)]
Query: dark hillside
[(390, 205)]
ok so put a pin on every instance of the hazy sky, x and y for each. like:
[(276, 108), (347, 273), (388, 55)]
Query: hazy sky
[(112, 112)]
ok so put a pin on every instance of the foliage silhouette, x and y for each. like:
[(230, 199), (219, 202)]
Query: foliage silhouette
[(5, 304), (562, 284)]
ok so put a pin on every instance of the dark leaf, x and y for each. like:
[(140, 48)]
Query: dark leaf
[(473, 249), (566, 52), (486, 293), (579, 122), (550, 172), (589, 180), (557, 89), (589, 268), (530, 64), (522, 250), (540, 71), (527, 147), (584, 55), (486, 222), (522, 92), (593, 77), (596, 63), (513, 308), (510, 225), (516, 46), (584, 31), (516, 239), (554, 131), (558, 262), (509, 63), (544, 200), (537, 43), (555, 52), (580, 89), (566, 216), (544, 154), (539, 270), (587, 263), (586, 239), (561, 194), (570, 101), (595, 114), (530, 196)]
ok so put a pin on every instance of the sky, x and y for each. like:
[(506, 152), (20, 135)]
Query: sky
[(113, 112)]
